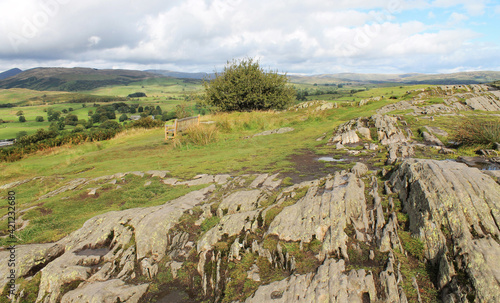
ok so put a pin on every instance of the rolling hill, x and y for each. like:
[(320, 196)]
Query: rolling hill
[(10, 73), (412, 78), (181, 75), (85, 79), (73, 79)]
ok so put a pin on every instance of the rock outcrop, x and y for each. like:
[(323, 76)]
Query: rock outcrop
[(324, 214), (302, 243), (386, 127), (455, 211)]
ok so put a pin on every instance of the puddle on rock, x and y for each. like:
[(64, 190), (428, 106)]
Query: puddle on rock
[(175, 296), (479, 163), (330, 159)]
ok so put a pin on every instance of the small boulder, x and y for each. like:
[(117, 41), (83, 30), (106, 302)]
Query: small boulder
[(359, 169)]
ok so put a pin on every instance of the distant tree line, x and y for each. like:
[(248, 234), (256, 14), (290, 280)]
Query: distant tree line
[(55, 136)]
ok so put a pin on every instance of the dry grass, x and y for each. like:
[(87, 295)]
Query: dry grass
[(472, 132), (197, 135)]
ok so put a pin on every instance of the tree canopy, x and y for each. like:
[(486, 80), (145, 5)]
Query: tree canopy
[(245, 86)]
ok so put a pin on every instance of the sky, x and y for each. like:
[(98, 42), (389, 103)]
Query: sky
[(297, 37)]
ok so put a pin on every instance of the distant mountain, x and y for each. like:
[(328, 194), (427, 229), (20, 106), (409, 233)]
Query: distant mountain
[(181, 75), (10, 73), (413, 78), (73, 79), (80, 79)]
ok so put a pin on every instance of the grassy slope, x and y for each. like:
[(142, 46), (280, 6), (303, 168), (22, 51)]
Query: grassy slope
[(164, 92), (160, 87), (143, 150)]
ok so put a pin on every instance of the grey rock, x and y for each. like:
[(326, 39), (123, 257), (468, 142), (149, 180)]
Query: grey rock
[(324, 215), (329, 282), (399, 151), (387, 129), (272, 182), (71, 185), (197, 180), (259, 179), (28, 257), (359, 169), (253, 273), (106, 292), (174, 267), (437, 131), (157, 173), (365, 132), (275, 131), (240, 201), (431, 139), (486, 102), (170, 181), (148, 225), (447, 151), (14, 184), (466, 202), (221, 179), (230, 225), (135, 173), (371, 146), (234, 251), (348, 137), (445, 272)]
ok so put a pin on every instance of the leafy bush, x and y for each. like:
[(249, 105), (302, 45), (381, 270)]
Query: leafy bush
[(21, 134), (41, 134), (39, 119), (472, 132), (22, 119), (245, 86), (71, 120), (111, 125), (146, 122), (137, 95), (123, 117)]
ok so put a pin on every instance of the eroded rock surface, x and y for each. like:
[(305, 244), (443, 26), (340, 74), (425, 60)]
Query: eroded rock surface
[(316, 234), (451, 203)]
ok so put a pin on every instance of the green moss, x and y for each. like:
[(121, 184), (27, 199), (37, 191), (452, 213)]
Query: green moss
[(287, 181), (239, 286), (269, 273), (208, 223), (412, 245)]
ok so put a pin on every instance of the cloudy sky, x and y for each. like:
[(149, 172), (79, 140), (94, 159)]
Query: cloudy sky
[(310, 37)]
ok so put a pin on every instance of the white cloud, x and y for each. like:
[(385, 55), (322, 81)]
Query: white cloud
[(94, 40), (456, 18), (302, 36), (473, 7)]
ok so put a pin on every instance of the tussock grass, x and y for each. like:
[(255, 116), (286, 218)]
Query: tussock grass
[(473, 132), (198, 135)]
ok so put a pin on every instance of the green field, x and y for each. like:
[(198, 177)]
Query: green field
[(223, 144), (164, 92), (153, 88)]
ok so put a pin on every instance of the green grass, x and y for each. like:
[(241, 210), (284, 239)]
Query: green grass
[(55, 217), (154, 88), (23, 96)]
